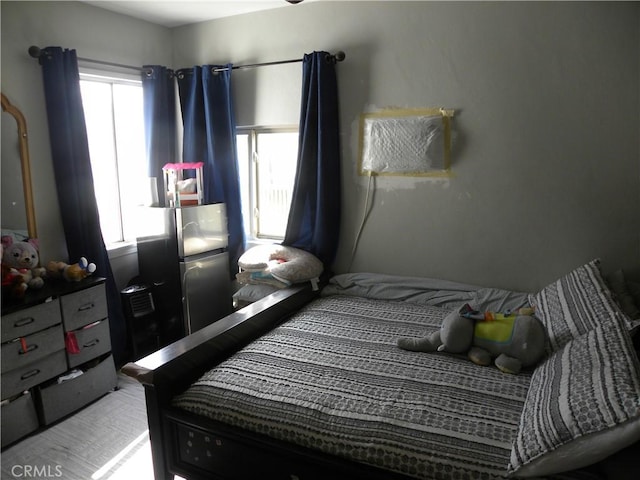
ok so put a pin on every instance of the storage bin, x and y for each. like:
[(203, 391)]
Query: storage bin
[(19, 418), (28, 350), (57, 400), (84, 307), (30, 320), (92, 341), (27, 376)]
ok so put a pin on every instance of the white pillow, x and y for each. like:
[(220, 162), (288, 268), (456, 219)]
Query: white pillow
[(284, 263)]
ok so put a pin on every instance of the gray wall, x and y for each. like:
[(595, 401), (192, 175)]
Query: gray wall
[(94, 33), (547, 98), (547, 164)]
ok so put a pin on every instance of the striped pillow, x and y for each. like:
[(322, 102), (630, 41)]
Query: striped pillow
[(582, 406), (575, 304)]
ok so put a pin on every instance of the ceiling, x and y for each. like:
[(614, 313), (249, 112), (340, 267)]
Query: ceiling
[(175, 13)]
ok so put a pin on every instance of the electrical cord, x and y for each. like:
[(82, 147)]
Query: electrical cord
[(365, 215)]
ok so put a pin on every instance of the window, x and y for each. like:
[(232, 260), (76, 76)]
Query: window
[(267, 160), (115, 130)]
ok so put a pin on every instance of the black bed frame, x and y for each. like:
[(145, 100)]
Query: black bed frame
[(197, 448)]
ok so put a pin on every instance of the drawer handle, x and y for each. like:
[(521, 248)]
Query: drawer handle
[(30, 374), (24, 321), (92, 343), (27, 348), (86, 306)]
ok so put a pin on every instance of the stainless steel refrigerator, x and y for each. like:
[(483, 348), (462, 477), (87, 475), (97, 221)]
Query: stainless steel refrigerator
[(182, 255)]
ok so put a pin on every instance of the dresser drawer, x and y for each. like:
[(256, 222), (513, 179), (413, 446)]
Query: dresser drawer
[(30, 320), (58, 400), (27, 350), (23, 378), (92, 342), (19, 418), (84, 307)]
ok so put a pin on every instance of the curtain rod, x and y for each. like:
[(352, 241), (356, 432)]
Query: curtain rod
[(36, 52), (337, 57)]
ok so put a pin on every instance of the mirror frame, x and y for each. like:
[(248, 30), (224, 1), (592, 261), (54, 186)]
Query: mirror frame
[(25, 164)]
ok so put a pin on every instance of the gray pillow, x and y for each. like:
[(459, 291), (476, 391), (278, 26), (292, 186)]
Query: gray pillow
[(575, 304), (582, 405)]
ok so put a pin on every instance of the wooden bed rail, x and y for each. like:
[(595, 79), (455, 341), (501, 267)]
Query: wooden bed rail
[(183, 361), (175, 367)]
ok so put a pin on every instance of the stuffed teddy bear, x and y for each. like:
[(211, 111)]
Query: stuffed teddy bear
[(20, 269), (13, 284), (515, 340), (71, 273)]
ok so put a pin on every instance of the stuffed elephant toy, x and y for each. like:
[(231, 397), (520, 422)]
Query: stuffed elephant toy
[(516, 340)]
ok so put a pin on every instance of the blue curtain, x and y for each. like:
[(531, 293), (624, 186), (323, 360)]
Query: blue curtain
[(160, 122), (210, 136), (74, 180), (314, 217)]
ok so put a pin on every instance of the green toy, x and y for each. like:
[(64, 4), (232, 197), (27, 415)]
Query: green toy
[(515, 340)]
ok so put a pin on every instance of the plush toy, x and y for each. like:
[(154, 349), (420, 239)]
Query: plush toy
[(71, 273), (515, 340), (20, 269), (13, 284)]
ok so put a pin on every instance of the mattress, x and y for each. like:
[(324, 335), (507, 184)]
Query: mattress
[(332, 379)]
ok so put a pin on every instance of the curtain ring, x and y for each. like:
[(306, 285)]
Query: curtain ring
[(46, 53)]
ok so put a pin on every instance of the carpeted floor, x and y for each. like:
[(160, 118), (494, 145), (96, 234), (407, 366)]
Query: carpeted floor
[(107, 440)]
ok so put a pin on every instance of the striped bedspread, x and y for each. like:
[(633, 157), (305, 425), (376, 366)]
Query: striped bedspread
[(331, 378)]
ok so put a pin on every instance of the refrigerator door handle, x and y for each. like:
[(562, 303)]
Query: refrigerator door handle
[(185, 298)]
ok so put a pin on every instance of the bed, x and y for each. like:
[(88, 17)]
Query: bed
[(308, 384)]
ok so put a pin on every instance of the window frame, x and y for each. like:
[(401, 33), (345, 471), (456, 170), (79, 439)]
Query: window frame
[(114, 76), (251, 224)]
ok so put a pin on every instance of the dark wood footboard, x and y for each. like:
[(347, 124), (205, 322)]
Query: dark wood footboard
[(172, 369), (202, 449)]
